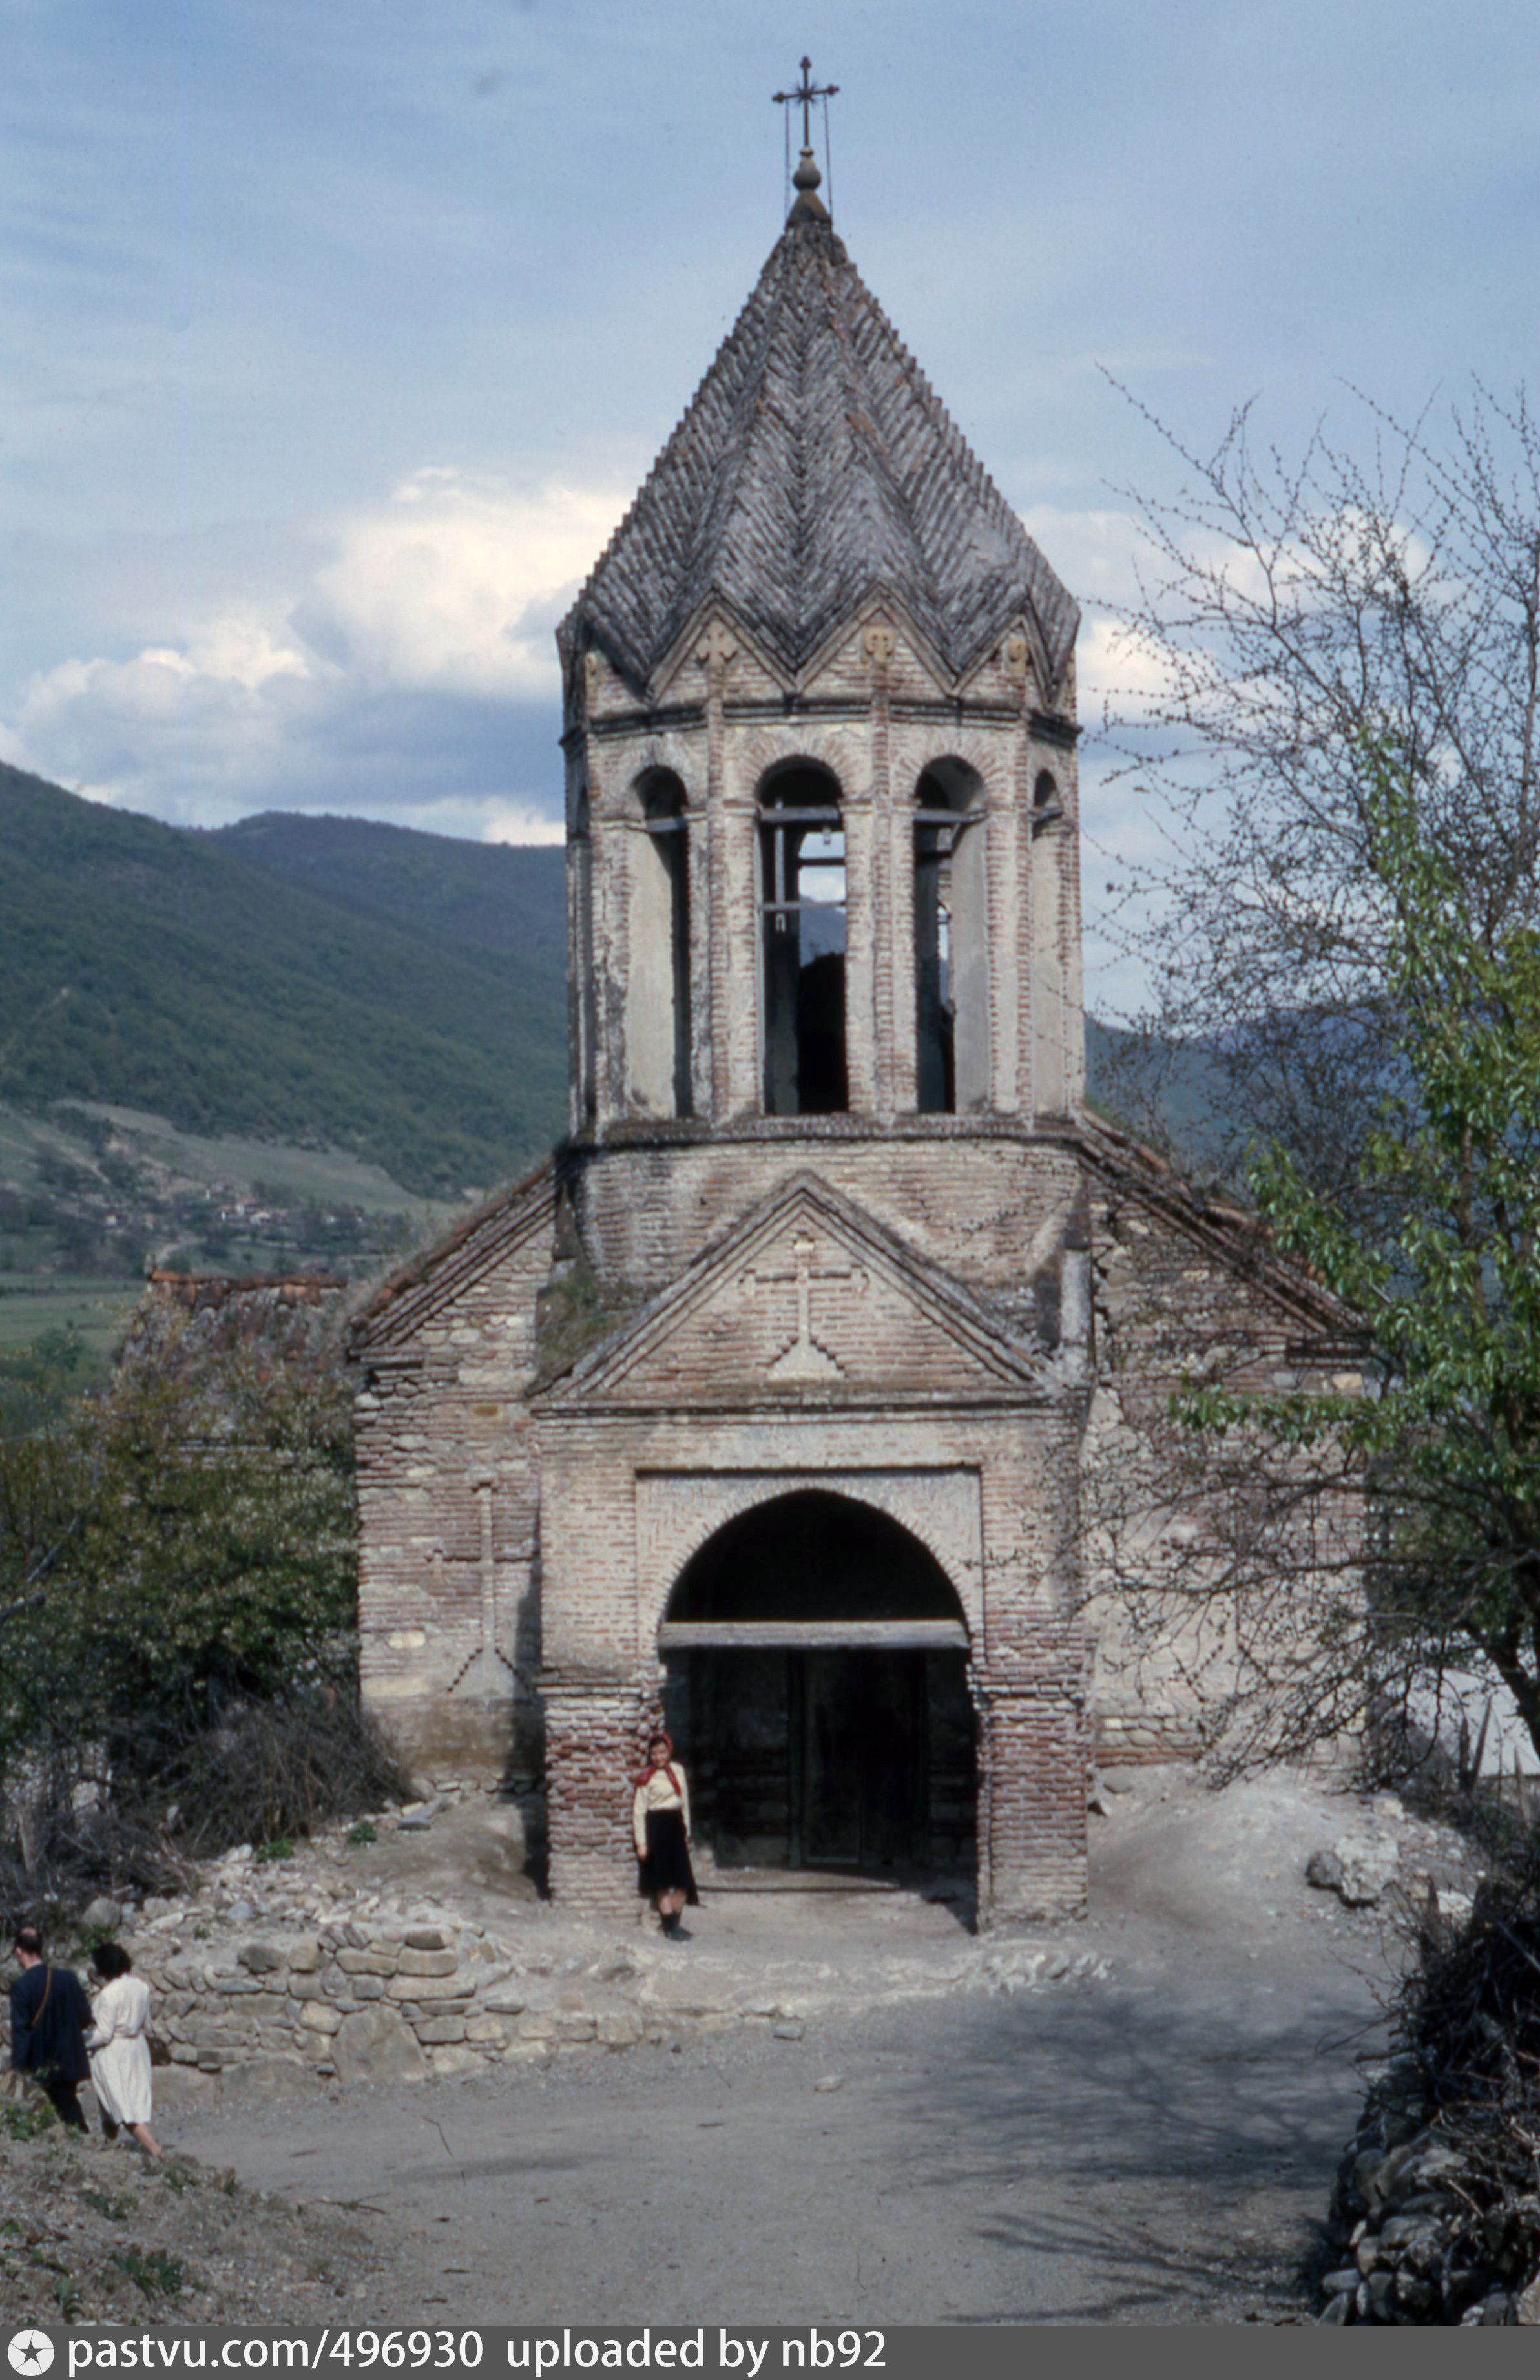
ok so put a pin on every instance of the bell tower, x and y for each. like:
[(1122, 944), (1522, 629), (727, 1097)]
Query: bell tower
[(820, 757)]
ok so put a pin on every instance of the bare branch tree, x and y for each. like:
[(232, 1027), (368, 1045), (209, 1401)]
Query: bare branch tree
[(1288, 611)]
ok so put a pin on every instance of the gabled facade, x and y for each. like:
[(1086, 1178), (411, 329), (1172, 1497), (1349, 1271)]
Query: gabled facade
[(767, 1405)]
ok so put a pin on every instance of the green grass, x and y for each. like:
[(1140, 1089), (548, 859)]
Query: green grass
[(325, 1175), (99, 1311), (26, 2120), (174, 1169), (151, 2270)]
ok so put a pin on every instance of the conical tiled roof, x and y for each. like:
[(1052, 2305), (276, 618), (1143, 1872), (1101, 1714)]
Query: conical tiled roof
[(814, 466)]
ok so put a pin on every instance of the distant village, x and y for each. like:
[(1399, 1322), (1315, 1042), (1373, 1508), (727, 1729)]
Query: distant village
[(111, 1216)]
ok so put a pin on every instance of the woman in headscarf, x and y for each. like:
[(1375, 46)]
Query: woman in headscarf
[(660, 1830)]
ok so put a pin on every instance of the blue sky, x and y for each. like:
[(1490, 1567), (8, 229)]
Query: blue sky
[(338, 336)]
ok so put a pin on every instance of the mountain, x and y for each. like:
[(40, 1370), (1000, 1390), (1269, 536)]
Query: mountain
[(504, 903), (262, 985)]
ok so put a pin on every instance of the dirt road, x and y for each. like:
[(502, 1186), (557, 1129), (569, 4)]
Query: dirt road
[(1152, 2142)]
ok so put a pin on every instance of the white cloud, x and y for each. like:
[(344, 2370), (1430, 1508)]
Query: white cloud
[(484, 818), (519, 822), (241, 649), (1092, 551), (170, 724), (458, 583), (393, 678)]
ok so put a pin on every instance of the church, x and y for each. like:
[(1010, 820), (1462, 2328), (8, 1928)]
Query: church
[(770, 1404)]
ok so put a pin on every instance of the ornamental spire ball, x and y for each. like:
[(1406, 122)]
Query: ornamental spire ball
[(809, 207)]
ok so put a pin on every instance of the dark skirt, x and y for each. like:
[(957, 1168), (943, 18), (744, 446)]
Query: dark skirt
[(667, 1866)]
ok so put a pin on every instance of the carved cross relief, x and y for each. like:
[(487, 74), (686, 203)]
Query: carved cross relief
[(804, 1358), (480, 1672), (718, 648)]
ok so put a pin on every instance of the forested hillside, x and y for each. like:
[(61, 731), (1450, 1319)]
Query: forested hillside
[(307, 1000), (506, 904)]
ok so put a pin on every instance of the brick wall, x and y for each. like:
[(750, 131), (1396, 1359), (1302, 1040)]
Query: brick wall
[(449, 1499), (1185, 1294), (521, 1544)]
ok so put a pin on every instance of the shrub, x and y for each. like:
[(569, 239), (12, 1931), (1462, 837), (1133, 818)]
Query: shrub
[(177, 1582)]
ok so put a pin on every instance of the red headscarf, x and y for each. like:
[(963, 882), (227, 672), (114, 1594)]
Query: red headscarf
[(660, 1735)]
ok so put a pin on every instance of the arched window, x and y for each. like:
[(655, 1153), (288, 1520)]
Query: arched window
[(658, 1030), (802, 863), (951, 976)]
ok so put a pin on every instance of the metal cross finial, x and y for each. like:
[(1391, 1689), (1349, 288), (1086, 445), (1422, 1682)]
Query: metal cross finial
[(806, 93)]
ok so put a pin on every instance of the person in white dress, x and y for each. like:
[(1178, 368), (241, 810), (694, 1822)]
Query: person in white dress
[(118, 2044)]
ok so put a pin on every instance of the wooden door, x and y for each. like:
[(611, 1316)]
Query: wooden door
[(859, 1791)]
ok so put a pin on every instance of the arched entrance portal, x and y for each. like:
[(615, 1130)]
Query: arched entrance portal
[(816, 1671)]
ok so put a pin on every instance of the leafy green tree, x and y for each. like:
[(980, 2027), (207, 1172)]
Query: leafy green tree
[(173, 1550), (37, 1382), (1438, 1269)]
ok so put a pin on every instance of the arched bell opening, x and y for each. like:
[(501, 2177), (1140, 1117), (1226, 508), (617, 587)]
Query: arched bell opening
[(952, 963), (582, 1005), (802, 910), (817, 1685), (658, 990)]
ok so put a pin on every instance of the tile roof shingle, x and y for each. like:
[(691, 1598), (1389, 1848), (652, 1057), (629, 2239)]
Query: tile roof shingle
[(814, 465)]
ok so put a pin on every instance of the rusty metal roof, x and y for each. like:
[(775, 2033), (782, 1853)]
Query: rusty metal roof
[(814, 466)]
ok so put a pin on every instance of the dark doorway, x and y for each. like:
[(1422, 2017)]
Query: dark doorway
[(860, 1787), (817, 1674)]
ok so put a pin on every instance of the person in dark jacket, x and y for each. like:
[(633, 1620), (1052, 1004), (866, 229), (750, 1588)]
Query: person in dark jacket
[(49, 2014)]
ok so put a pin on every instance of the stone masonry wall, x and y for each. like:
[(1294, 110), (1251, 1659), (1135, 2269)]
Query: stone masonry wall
[(448, 1501), (991, 1205), (364, 2004), (1168, 1306)]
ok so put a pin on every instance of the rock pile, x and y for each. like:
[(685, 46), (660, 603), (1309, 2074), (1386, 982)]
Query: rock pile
[(1388, 1851), (379, 2005), (1417, 2250)]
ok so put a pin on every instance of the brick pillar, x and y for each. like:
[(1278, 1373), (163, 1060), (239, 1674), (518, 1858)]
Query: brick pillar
[(877, 646), (1024, 989), (903, 1093), (717, 650), (608, 923), (1035, 1756), (1074, 996), (593, 1723)]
